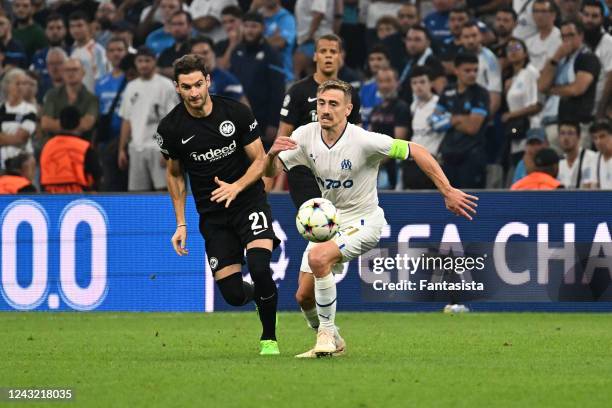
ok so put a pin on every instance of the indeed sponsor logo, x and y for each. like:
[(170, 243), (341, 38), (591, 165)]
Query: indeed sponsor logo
[(214, 154)]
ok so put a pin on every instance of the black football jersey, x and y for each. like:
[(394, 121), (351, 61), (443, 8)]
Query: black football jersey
[(212, 146)]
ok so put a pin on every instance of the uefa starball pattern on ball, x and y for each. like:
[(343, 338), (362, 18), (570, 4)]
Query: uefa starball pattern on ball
[(317, 220)]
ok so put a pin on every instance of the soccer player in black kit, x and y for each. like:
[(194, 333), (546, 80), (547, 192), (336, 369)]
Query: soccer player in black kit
[(216, 141), (300, 108)]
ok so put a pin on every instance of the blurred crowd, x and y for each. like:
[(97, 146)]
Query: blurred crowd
[(504, 93)]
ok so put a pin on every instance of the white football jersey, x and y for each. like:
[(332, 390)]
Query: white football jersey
[(346, 172)]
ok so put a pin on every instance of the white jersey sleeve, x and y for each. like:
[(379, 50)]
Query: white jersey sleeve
[(380, 146), (298, 156)]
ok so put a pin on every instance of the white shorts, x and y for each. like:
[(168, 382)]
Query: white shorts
[(354, 239)]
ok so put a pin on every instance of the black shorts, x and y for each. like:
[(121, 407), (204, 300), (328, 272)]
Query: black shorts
[(227, 232)]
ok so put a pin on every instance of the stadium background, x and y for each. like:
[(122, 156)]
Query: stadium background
[(48, 241)]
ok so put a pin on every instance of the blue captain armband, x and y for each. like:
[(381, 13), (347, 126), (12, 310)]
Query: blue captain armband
[(399, 150)]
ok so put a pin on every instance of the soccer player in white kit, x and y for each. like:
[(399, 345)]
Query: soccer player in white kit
[(345, 159)]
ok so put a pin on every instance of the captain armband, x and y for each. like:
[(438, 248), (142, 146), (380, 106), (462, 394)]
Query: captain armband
[(399, 150)]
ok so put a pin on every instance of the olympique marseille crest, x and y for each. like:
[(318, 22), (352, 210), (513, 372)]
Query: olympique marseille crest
[(227, 128)]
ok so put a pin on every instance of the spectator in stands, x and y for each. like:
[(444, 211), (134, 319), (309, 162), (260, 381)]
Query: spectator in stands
[(73, 93), (543, 44), (67, 7), (18, 176), (180, 28), (25, 30), (386, 26), (526, 26), (461, 113), (68, 162), (14, 53), (17, 117), (378, 58), (569, 8), (124, 30), (151, 16), (505, 22), (543, 177), (146, 100), (437, 21), (407, 16), (280, 31), (106, 16), (91, 54), (391, 117), (489, 71), (534, 142), (29, 89), (423, 106), (521, 93), (55, 33), (260, 70), (206, 16), (577, 169), (109, 89), (420, 53), (374, 11), (600, 43), (160, 39), (601, 133), (223, 82), (231, 18), (570, 79), (313, 19), (449, 48), (54, 63)]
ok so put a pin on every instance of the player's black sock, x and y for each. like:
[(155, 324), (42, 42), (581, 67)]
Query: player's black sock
[(266, 297), (235, 291)]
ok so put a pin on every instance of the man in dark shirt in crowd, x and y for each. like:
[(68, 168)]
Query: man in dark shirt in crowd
[(570, 80), (180, 29), (505, 22), (391, 117), (461, 112), (450, 47), (26, 31), (260, 70), (55, 33), (14, 53)]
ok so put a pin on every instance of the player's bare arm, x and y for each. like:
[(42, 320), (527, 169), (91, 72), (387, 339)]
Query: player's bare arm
[(176, 186), (456, 200), (229, 191), (273, 164)]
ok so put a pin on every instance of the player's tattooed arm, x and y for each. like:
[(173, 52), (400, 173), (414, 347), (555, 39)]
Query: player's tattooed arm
[(273, 164), (229, 191), (176, 186), (458, 202)]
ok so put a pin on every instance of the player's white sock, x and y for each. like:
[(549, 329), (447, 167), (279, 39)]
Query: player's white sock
[(325, 296), (311, 317)]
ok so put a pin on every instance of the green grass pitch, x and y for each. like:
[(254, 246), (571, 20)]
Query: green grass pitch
[(393, 360)]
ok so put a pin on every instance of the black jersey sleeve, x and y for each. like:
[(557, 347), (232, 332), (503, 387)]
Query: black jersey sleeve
[(290, 110), (165, 139), (246, 124), (355, 117)]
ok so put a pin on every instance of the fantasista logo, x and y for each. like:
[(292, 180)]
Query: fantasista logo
[(214, 154)]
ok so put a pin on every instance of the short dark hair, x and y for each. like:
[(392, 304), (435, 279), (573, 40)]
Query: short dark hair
[(470, 24), (202, 40), (577, 23), (116, 38), (508, 10), (594, 3), (54, 17), (551, 3), (390, 20), (380, 49), (460, 10), (600, 125), (338, 84), (180, 13), (232, 11), (189, 63), (79, 15), (69, 118), (421, 70), (570, 123), (465, 58), (421, 28), (330, 37)]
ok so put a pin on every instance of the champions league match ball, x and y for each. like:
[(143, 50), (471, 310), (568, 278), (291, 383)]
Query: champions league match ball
[(317, 220)]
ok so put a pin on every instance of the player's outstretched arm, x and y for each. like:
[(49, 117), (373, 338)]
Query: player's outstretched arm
[(456, 200), (273, 165), (176, 186), (229, 191)]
